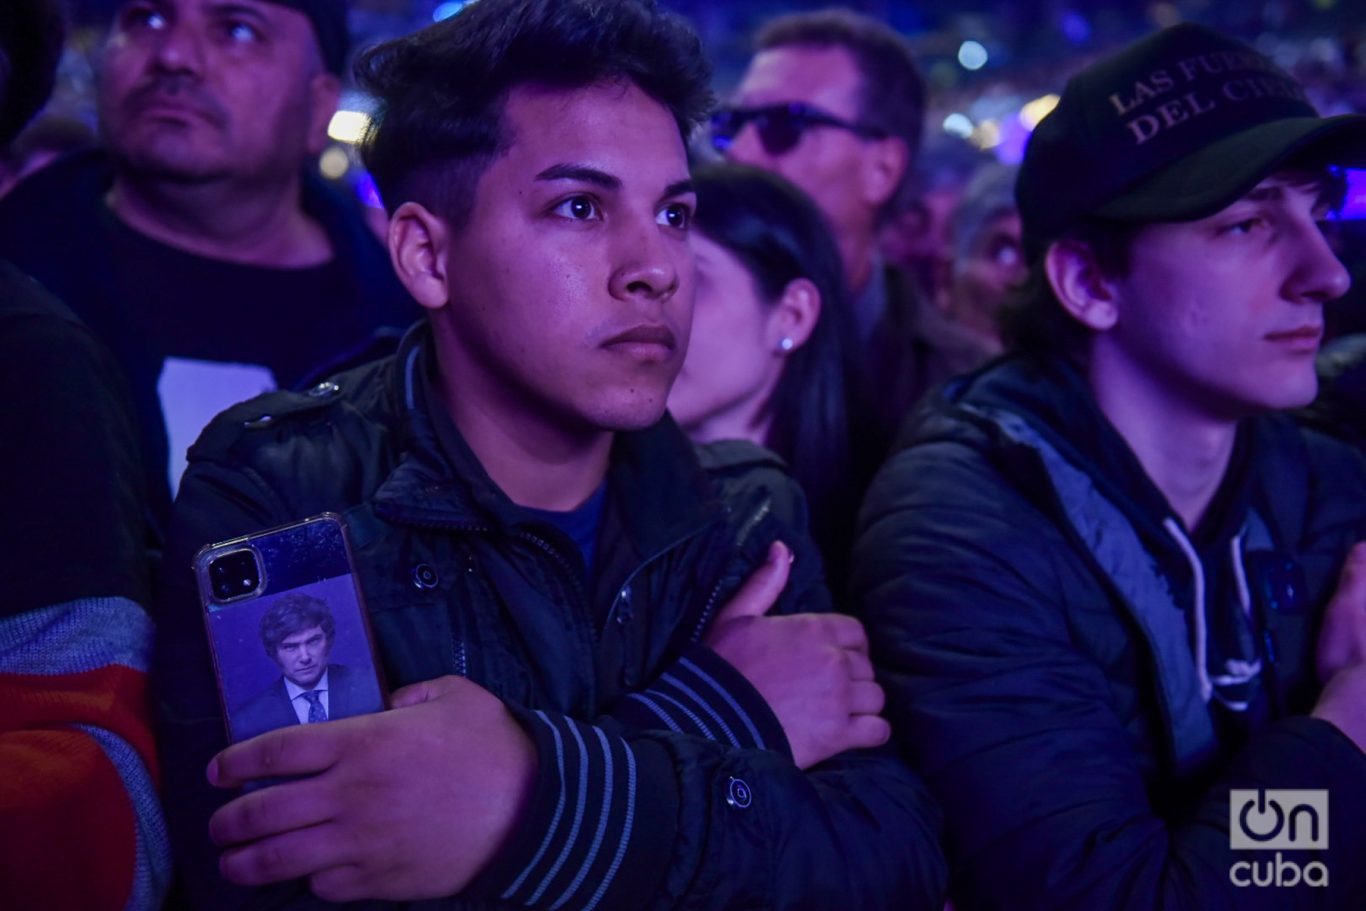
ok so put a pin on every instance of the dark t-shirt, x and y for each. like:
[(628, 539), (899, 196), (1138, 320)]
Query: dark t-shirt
[(197, 335), (580, 525)]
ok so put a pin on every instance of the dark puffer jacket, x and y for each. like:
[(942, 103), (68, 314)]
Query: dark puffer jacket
[(1033, 604), (687, 796)]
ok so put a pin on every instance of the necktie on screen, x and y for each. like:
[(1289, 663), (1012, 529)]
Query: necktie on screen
[(316, 712)]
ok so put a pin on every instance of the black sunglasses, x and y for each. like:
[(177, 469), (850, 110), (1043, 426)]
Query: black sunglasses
[(780, 126)]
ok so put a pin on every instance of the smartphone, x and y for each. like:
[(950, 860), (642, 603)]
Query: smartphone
[(288, 628)]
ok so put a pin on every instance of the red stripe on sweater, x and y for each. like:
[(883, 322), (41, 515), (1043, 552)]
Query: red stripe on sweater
[(67, 829), (112, 697)]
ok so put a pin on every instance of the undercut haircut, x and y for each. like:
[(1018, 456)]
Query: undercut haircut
[(442, 90), (891, 89), (294, 613)]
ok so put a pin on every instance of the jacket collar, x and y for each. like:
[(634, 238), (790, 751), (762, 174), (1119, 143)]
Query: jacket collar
[(657, 488)]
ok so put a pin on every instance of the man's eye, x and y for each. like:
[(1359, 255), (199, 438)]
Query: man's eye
[(1246, 226), (675, 215), (139, 17), (1005, 253), (578, 208), (241, 32)]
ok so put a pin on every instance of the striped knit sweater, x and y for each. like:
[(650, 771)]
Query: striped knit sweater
[(80, 825)]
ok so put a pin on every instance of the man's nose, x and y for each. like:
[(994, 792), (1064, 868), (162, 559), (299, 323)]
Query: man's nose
[(179, 49), (1318, 276), (646, 265)]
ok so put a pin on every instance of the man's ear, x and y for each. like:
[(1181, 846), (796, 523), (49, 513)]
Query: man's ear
[(1081, 285), (418, 247), (795, 314), (324, 97), (884, 164)]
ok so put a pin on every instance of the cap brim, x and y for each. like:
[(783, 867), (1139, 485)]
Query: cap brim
[(1206, 181)]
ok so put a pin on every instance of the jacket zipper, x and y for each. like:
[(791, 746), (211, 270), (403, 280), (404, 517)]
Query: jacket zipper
[(710, 607), (624, 594)]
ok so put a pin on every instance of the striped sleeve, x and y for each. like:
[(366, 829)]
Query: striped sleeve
[(77, 773), (594, 833), (702, 695)]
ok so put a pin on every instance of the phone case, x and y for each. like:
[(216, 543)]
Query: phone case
[(295, 647)]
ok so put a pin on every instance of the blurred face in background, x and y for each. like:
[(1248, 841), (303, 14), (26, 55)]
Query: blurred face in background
[(981, 282), (735, 357), (200, 90), (848, 175)]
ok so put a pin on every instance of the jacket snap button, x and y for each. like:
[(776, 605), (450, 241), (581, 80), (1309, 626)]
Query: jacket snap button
[(324, 389), (738, 794), (424, 576)]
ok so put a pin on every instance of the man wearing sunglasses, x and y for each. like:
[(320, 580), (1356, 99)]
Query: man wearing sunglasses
[(833, 102)]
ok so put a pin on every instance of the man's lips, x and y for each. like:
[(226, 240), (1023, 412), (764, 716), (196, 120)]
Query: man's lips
[(644, 339), (169, 107), (1315, 331), (1301, 338), (178, 104)]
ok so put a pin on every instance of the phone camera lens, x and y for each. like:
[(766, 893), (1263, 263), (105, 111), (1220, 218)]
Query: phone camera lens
[(234, 575)]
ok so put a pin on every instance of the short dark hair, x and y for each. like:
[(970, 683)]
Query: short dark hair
[(32, 33), (294, 613), (442, 89), (819, 408), (892, 91)]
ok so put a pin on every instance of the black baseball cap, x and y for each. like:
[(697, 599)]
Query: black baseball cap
[(1174, 127), (329, 24)]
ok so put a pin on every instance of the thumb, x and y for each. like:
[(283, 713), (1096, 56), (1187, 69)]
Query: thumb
[(1353, 579), (761, 590), (426, 691), (1344, 617)]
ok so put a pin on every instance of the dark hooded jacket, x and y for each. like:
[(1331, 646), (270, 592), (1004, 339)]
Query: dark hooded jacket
[(686, 795), (1034, 606)]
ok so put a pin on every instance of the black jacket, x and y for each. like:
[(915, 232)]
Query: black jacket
[(1032, 606), (459, 580)]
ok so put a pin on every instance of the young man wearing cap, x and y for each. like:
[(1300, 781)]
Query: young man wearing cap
[(593, 709), (211, 262), (1118, 601)]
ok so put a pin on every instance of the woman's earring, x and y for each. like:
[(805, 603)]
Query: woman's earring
[(786, 344)]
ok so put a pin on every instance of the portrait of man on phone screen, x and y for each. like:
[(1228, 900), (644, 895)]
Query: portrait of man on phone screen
[(297, 633)]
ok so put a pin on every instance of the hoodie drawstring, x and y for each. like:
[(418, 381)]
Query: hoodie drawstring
[(1201, 621)]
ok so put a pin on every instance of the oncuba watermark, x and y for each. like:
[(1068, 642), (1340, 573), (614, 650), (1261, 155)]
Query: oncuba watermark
[(1278, 820)]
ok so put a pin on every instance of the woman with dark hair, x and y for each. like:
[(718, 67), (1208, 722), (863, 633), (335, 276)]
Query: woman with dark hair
[(770, 358)]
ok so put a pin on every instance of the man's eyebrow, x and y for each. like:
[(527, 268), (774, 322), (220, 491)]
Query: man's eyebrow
[(237, 8), (581, 173), (1264, 194), (678, 188)]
